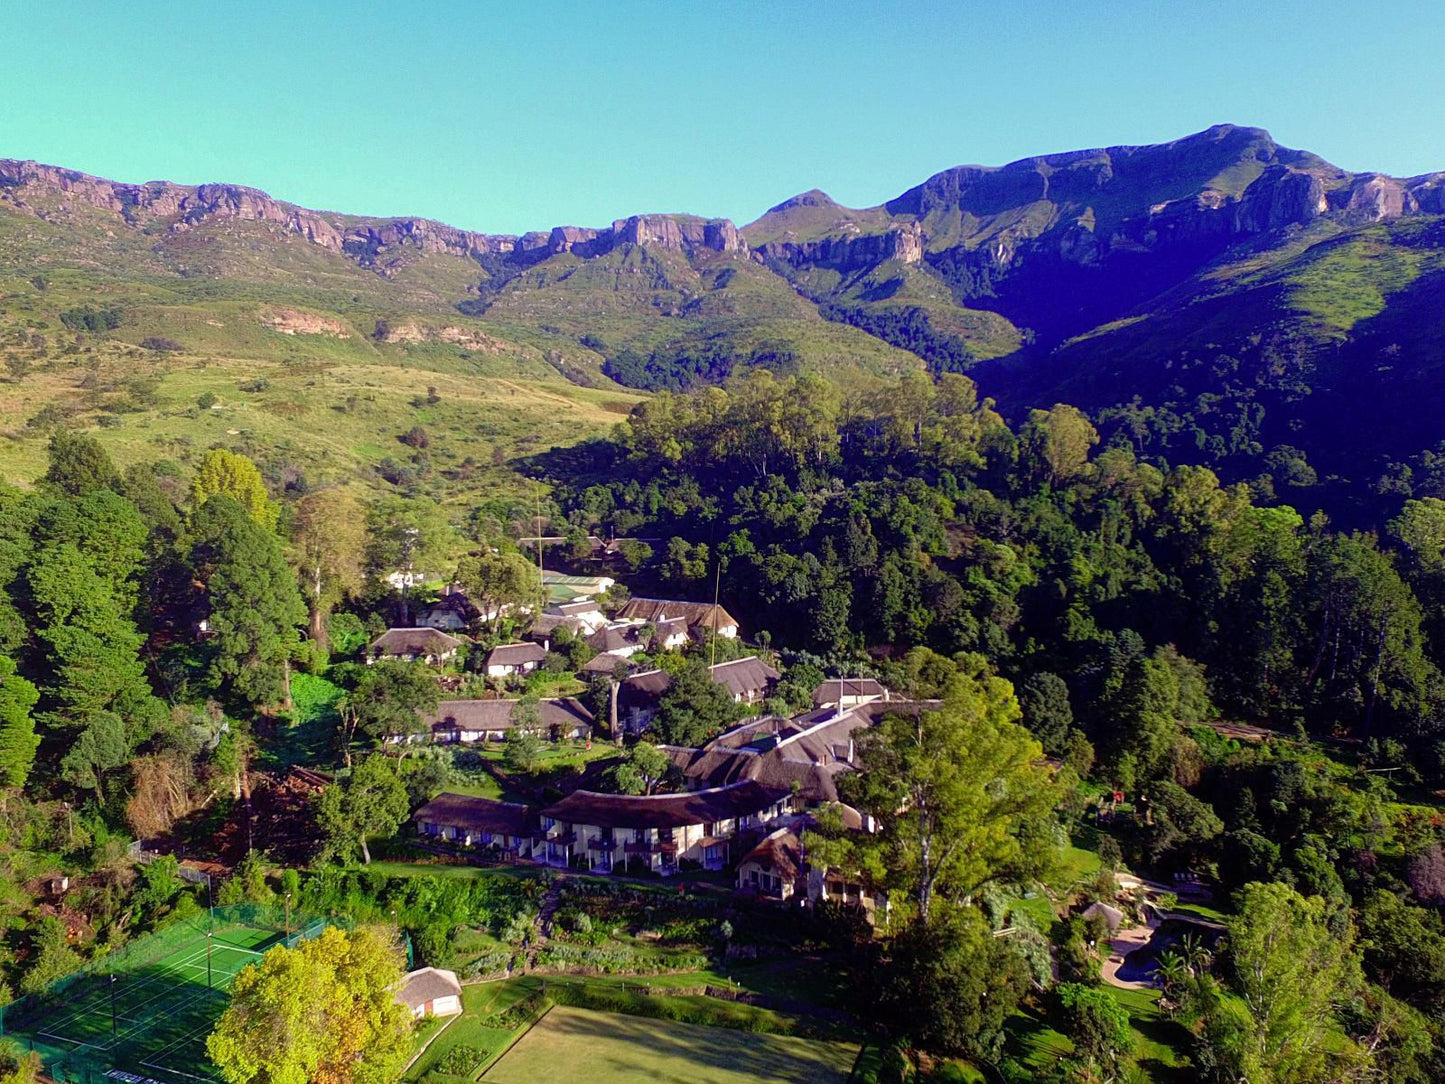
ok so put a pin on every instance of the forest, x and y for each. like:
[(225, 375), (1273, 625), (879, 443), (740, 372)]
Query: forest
[(1202, 683)]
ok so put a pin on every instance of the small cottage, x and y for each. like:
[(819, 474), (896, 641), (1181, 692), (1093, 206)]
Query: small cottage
[(428, 645), (512, 660), (431, 992)]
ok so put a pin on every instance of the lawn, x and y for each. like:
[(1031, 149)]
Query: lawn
[(1157, 1041), (478, 1003), (581, 1045)]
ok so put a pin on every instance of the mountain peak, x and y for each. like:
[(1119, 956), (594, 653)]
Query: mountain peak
[(814, 197)]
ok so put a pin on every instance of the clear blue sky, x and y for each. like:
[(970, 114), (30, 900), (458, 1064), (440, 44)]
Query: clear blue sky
[(521, 115)]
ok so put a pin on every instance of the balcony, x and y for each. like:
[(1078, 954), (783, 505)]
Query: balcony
[(649, 848)]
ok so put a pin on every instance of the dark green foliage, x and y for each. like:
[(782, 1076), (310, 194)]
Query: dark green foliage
[(371, 801), (693, 708), (388, 697), (1097, 1025), (948, 986), (910, 329), (78, 465), (92, 319), (255, 606), (1044, 699), (18, 740), (94, 670)]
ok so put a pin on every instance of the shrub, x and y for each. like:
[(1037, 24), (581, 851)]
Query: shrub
[(159, 342), (88, 318), (487, 964), (206, 400), (462, 1060)]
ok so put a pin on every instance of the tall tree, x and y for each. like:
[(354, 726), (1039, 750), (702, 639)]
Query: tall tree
[(324, 1011), (956, 793), (1294, 967), (256, 609), (496, 582), (78, 465), (329, 537), (18, 740), (108, 530), (93, 663), (388, 698), (693, 708), (641, 769), (229, 474), (947, 987), (371, 801), (405, 541), (1058, 440)]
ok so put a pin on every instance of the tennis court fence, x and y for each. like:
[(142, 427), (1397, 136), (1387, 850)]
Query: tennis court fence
[(289, 928)]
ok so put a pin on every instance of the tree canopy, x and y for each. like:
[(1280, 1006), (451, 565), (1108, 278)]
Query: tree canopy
[(322, 1011)]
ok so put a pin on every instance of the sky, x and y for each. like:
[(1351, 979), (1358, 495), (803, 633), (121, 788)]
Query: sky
[(507, 116)]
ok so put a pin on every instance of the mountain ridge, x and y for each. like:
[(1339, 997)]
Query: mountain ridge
[(1369, 192), (1036, 277)]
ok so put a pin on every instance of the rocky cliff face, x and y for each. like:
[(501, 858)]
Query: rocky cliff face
[(48, 191), (903, 243), (683, 235), (1081, 208)]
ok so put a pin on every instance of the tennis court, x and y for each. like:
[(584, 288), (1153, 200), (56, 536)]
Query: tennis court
[(147, 1021)]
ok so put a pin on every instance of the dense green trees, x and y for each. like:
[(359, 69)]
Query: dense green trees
[(1291, 970), (371, 801), (255, 607), (495, 582), (927, 523), (957, 792), (323, 1011), (385, 699), (948, 986), (18, 740), (693, 708), (640, 770), (328, 539)]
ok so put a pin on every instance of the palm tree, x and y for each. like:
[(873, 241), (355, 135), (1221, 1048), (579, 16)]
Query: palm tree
[(1172, 970), (1196, 956)]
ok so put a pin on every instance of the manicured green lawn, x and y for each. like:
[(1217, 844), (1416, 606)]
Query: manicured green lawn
[(599, 1048), (478, 1002)]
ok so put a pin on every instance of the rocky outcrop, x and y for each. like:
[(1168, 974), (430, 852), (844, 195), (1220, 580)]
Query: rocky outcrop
[(903, 243), (32, 186), (295, 322), (685, 235), (465, 337), (1428, 193)]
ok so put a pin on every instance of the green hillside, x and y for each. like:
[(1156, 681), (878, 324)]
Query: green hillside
[(1217, 299)]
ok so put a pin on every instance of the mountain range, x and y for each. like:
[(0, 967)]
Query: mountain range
[(1217, 299)]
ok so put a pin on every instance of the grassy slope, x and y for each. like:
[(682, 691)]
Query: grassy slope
[(336, 398), (646, 300)]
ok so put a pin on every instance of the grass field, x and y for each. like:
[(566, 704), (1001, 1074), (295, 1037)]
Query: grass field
[(152, 1021), (580, 1045)]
